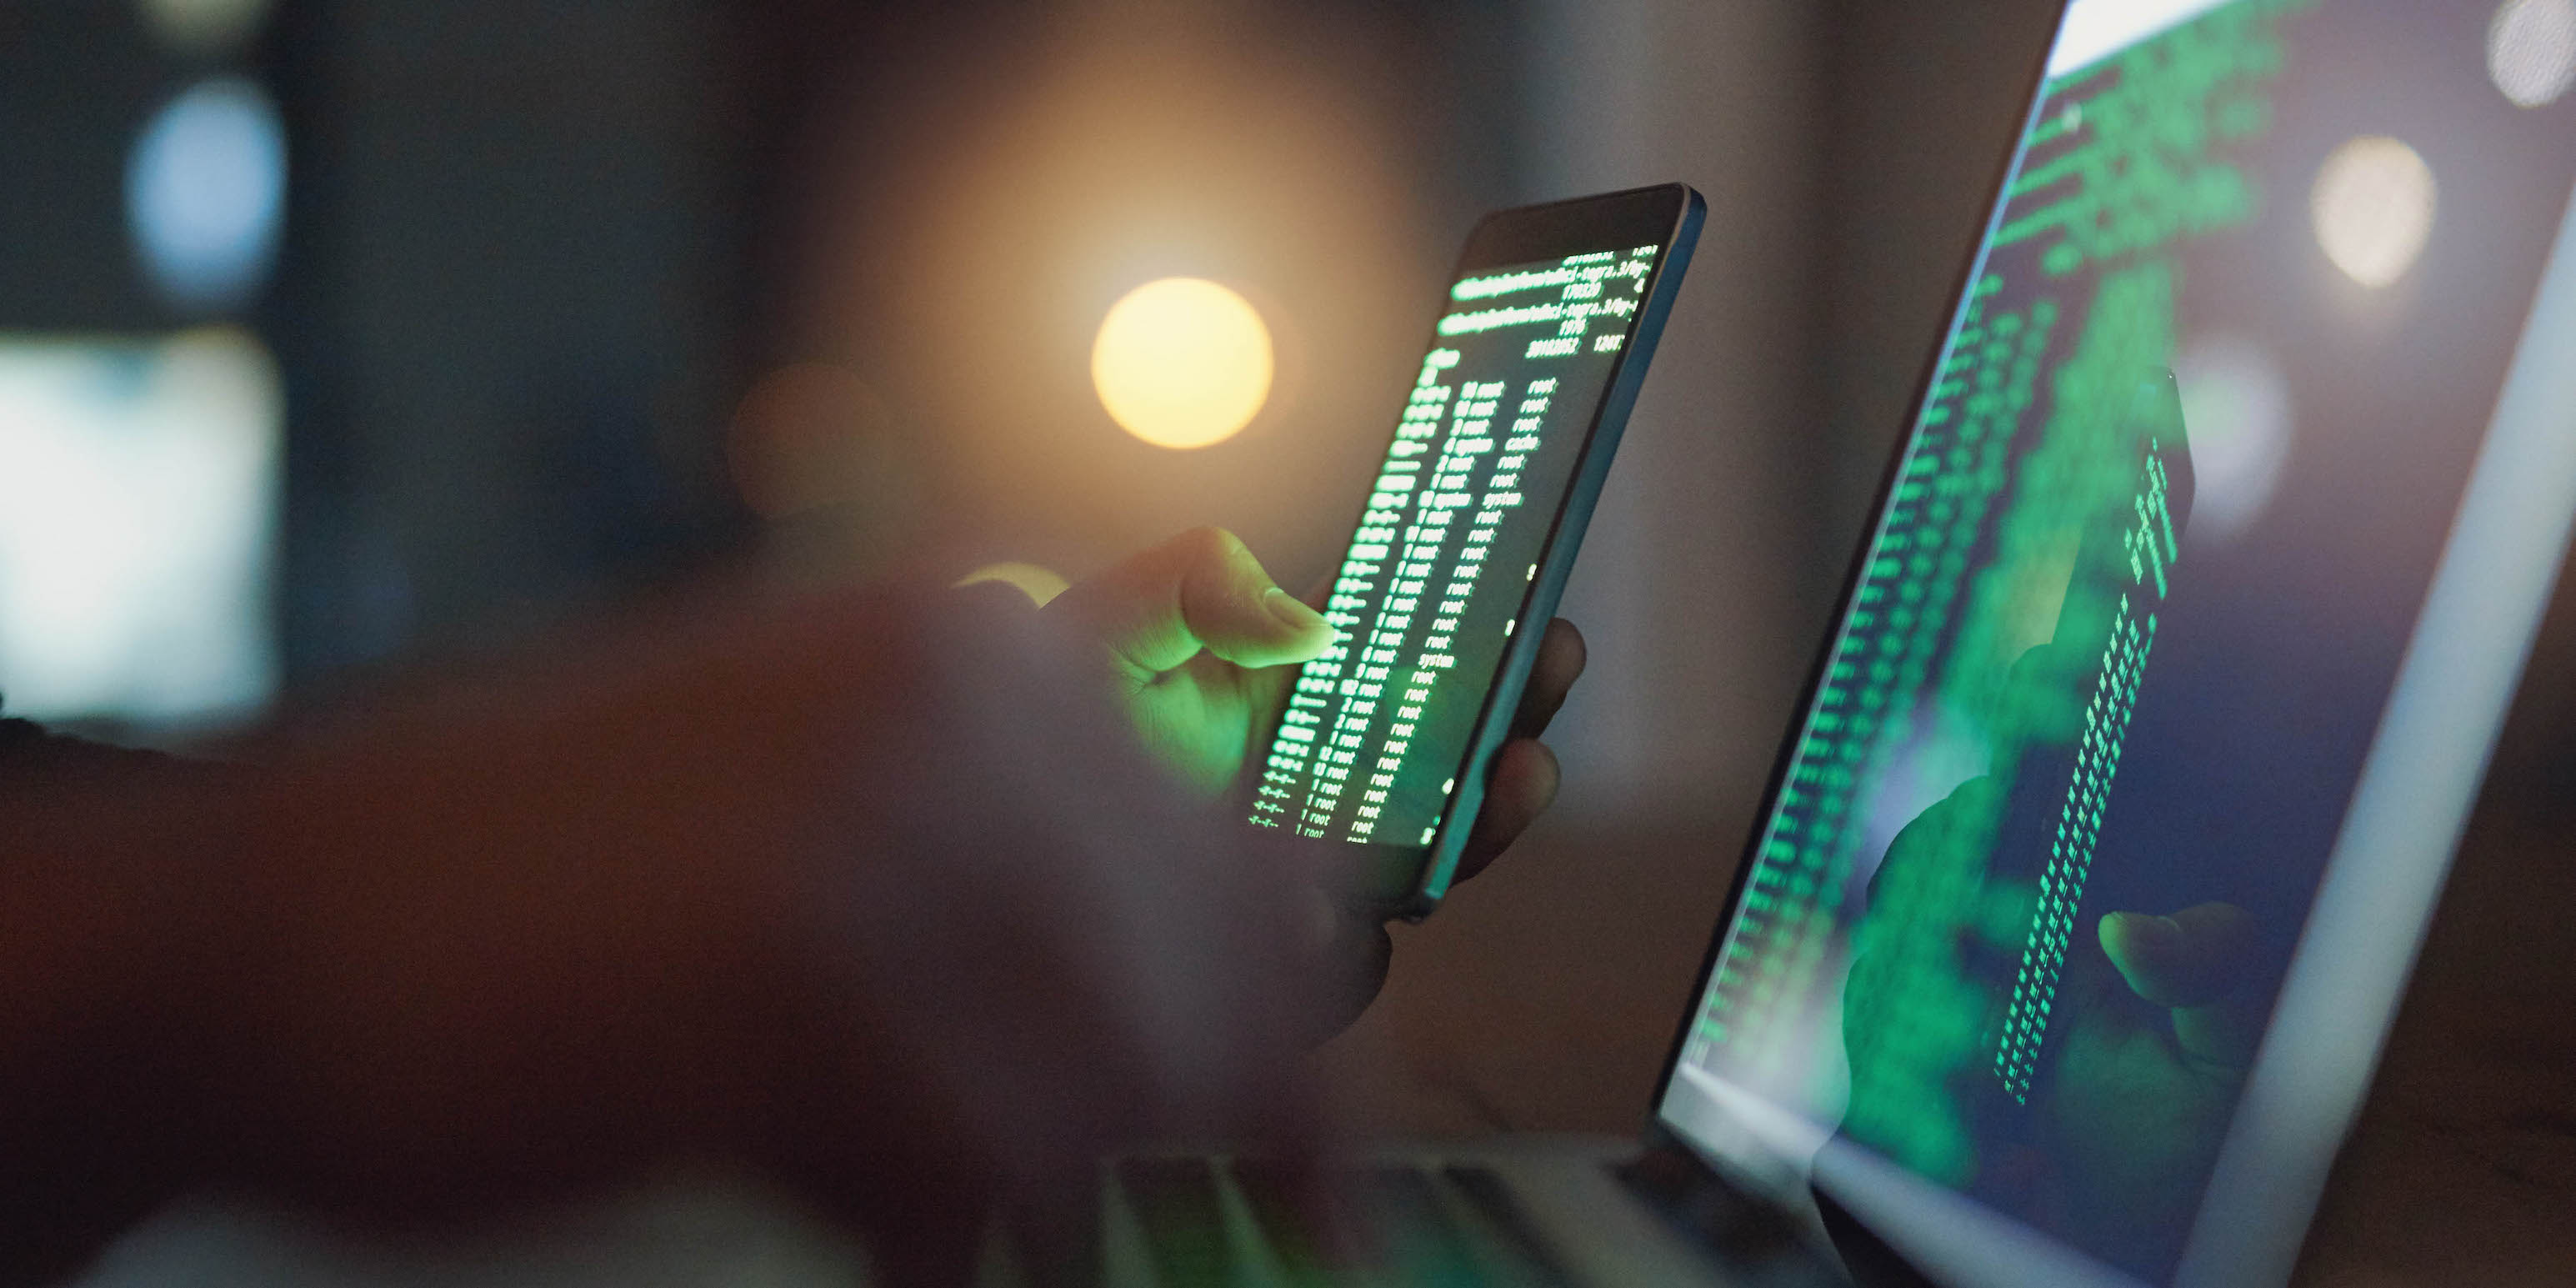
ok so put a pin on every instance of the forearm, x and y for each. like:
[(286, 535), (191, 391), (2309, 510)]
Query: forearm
[(336, 976), (863, 893), (112, 911)]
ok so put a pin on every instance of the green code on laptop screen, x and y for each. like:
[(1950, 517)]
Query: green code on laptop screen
[(2055, 819), (1429, 593)]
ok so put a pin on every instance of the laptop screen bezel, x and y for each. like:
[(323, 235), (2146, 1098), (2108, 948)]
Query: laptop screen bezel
[(1782, 761)]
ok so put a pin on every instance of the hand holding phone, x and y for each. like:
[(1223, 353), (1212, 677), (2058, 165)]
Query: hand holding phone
[(1469, 532)]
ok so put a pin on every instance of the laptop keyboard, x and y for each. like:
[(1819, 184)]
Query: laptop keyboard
[(1204, 1221)]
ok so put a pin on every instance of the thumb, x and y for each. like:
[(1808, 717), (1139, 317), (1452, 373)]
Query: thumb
[(1200, 590), (2192, 962)]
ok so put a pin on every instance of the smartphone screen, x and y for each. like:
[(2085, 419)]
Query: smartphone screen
[(1450, 564)]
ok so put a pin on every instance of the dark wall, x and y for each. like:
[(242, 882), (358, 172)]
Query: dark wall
[(77, 80), (1924, 102), (508, 314)]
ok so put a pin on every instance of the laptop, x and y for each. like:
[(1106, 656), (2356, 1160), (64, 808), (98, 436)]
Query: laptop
[(2093, 866)]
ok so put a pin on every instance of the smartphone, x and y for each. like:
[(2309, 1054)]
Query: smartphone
[(1468, 534)]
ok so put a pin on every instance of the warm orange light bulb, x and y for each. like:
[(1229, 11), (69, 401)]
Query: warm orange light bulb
[(1182, 362)]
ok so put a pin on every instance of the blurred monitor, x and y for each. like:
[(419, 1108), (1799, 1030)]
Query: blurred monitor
[(139, 482)]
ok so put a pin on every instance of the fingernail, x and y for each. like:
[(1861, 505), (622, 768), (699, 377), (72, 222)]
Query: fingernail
[(2146, 930), (1293, 613)]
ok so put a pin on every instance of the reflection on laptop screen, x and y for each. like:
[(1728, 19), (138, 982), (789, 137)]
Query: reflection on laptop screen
[(2140, 604)]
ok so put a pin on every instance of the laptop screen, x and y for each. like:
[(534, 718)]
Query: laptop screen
[(2097, 858)]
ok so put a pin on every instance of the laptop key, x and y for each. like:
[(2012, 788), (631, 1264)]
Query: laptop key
[(1176, 1201), (1304, 1241), (1395, 1225), (1484, 1190), (1412, 1234)]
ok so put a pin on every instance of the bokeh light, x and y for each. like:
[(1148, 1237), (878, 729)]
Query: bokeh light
[(204, 27), (205, 193), (2531, 50), (1182, 362), (2237, 406), (2373, 206), (138, 490), (1040, 584)]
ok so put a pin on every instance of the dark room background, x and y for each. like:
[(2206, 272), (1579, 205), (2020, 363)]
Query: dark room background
[(558, 302)]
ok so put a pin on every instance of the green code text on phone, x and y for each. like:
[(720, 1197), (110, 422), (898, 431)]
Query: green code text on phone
[(1428, 595)]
